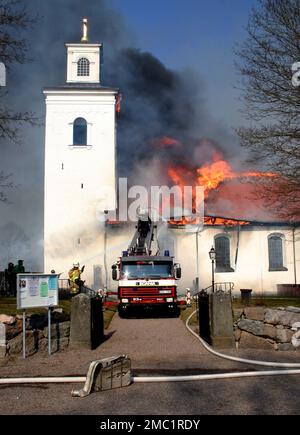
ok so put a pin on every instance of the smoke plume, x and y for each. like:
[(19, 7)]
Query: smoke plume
[(164, 117)]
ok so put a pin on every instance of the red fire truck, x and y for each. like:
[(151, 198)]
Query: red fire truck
[(145, 280)]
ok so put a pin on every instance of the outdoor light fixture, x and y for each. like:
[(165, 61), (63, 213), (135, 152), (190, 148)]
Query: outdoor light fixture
[(212, 256)]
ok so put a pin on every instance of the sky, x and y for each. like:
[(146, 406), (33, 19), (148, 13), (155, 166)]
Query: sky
[(198, 35), (190, 41)]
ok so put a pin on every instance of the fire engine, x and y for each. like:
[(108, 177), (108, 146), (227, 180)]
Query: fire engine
[(145, 280)]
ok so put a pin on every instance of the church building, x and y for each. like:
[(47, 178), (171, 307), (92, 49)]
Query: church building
[(80, 186)]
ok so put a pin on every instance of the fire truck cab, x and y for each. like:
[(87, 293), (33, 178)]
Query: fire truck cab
[(145, 280)]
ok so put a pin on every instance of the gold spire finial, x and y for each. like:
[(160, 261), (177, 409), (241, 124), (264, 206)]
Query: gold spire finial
[(85, 30)]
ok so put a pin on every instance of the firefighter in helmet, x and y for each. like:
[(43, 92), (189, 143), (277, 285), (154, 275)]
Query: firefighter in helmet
[(75, 278)]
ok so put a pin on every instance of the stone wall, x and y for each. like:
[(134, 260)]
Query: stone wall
[(265, 328), (36, 333)]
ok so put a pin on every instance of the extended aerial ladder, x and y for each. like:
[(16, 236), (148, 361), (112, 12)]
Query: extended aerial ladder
[(143, 238), (146, 280)]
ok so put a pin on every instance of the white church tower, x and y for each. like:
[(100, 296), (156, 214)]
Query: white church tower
[(80, 162)]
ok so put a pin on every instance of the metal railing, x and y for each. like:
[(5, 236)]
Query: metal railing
[(65, 289), (219, 287)]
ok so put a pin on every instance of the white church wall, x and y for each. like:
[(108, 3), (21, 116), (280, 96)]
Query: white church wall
[(251, 271), (80, 183), (75, 176), (252, 268)]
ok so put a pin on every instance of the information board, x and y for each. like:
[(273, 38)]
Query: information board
[(36, 290)]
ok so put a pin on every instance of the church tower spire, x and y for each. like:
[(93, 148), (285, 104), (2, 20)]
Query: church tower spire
[(80, 163), (83, 59), (85, 37)]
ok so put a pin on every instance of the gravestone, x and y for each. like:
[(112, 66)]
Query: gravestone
[(80, 334), (221, 320), (86, 322)]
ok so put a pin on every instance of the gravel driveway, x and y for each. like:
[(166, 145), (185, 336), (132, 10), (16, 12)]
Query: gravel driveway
[(156, 346)]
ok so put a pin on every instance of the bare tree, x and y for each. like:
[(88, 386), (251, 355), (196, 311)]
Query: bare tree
[(14, 20), (272, 103)]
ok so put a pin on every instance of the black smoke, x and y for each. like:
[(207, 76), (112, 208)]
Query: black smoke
[(157, 102)]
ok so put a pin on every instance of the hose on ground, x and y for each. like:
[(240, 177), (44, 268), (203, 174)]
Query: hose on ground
[(234, 358), (151, 379), (44, 380)]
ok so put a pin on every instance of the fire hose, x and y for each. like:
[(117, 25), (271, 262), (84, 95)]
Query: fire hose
[(150, 379), (237, 359)]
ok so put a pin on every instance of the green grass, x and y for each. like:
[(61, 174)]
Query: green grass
[(185, 313), (269, 302), (108, 314), (8, 307)]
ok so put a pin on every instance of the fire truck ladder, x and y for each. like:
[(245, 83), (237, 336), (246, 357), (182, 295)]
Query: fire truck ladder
[(142, 239)]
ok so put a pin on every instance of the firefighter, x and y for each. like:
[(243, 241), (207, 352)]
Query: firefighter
[(75, 278)]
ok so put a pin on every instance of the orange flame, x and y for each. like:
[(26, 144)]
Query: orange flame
[(210, 176), (165, 142)]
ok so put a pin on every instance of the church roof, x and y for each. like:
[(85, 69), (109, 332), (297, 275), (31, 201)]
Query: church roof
[(82, 86)]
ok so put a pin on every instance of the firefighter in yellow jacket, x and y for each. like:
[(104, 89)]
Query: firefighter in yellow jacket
[(75, 278)]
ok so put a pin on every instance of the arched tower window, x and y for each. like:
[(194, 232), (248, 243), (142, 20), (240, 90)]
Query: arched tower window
[(222, 247), (276, 252), (80, 132), (83, 67)]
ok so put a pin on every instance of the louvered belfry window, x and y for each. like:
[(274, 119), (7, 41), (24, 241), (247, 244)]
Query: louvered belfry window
[(83, 67)]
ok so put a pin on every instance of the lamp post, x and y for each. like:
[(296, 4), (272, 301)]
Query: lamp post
[(197, 260), (212, 256)]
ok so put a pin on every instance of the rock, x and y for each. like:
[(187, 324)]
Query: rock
[(58, 330), (14, 330), (15, 346), (59, 317), (270, 331), (253, 326), (3, 351), (284, 335), (285, 347), (58, 310), (237, 334), (238, 312), (56, 345), (7, 320), (293, 309), (285, 318), (296, 338), (249, 341), (255, 313), (296, 326)]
